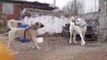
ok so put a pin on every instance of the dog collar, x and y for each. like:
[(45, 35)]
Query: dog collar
[(32, 28)]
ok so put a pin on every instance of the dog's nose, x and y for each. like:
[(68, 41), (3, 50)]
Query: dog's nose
[(42, 25)]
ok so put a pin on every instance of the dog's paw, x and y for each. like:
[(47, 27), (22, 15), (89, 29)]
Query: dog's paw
[(70, 42), (83, 43)]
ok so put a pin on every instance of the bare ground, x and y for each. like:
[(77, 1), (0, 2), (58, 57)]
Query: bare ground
[(58, 48)]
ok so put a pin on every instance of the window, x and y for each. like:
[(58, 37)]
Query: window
[(7, 8)]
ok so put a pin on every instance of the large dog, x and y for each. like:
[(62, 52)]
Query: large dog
[(15, 31), (77, 26)]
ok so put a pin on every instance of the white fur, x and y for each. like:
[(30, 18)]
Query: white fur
[(79, 28)]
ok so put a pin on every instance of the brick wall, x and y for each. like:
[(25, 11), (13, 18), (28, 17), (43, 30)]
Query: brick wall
[(16, 12)]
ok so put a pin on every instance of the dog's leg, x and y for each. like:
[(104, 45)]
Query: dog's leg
[(11, 37), (82, 39), (74, 38), (83, 34), (36, 43), (70, 41), (33, 34)]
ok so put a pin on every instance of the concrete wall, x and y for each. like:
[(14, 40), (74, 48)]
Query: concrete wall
[(52, 24)]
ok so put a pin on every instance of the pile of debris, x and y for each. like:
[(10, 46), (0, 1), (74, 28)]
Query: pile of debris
[(3, 22)]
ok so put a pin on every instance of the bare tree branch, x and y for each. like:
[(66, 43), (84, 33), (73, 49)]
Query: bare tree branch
[(74, 7)]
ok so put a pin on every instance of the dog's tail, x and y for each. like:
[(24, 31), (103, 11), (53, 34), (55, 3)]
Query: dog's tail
[(71, 19), (11, 23)]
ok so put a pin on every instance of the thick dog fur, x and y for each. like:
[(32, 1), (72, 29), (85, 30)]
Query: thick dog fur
[(77, 27), (15, 31)]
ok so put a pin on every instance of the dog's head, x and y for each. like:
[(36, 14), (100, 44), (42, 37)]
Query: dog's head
[(37, 25), (80, 22)]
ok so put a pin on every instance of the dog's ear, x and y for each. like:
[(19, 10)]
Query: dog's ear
[(36, 24)]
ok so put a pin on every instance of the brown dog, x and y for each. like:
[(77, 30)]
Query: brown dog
[(31, 31)]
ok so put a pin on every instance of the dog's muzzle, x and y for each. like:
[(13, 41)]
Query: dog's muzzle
[(42, 26)]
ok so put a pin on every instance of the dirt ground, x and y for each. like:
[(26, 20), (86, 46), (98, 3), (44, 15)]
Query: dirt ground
[(58, 48)]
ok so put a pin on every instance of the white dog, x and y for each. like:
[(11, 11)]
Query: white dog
[(79, 27), (15, 31)]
